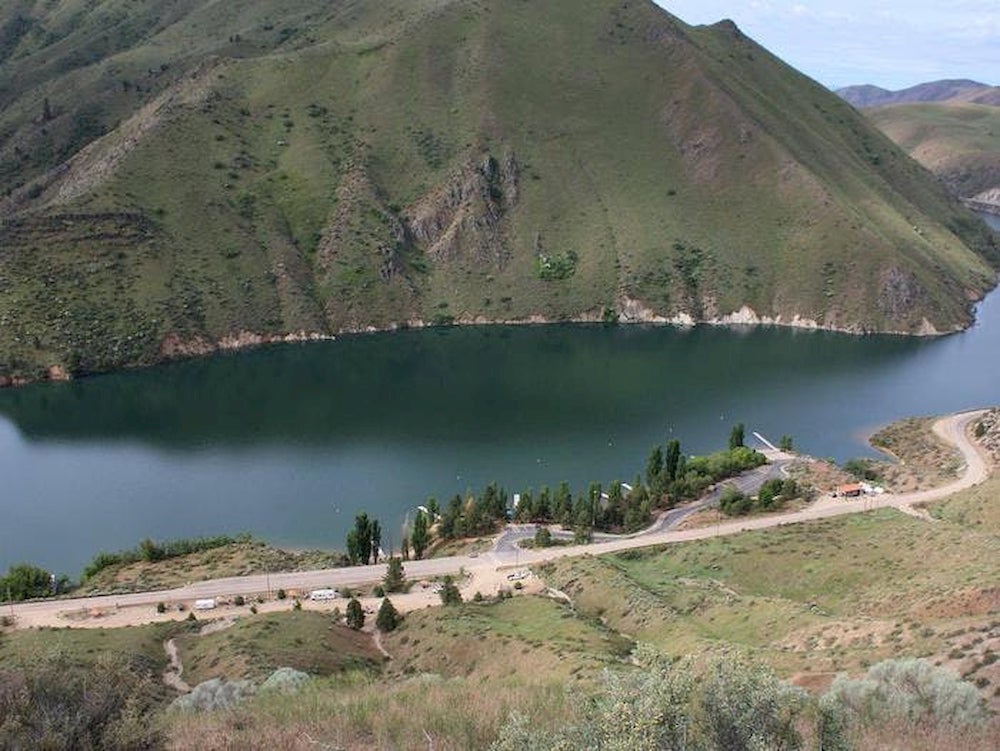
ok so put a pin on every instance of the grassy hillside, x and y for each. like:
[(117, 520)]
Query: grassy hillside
[(226, 172), (958, 142), (961, 90), (809, 600)]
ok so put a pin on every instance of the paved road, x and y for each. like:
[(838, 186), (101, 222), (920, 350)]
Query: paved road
[(483, 567)]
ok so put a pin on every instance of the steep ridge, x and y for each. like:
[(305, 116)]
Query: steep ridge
[(246, 171)]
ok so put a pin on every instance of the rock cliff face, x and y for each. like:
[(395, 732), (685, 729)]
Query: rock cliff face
[(464, 217), (988, 201), (188, 186)]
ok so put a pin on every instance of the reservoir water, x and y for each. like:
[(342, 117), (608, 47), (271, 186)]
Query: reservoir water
[(289, 442)]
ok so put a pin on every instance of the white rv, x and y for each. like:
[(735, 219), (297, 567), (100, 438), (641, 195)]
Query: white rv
[(319, 595)]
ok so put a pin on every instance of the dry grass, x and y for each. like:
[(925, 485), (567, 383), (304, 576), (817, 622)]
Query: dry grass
[(356, 712), (814, 599), (238, 559), (923, 460), (903, 737)]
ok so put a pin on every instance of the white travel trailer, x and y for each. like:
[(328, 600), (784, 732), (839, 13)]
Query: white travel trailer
[(319, 595), (207, 604)]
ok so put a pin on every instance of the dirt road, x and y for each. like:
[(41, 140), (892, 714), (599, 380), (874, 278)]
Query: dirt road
[(485, 573)]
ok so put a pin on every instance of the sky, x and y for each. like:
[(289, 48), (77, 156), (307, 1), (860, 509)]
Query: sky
[(889, 43)]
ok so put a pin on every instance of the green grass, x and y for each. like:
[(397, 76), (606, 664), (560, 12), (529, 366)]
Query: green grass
[(958, 142), (257, 645), (526, 638), (306, 166), (85, 646), (821, 596)]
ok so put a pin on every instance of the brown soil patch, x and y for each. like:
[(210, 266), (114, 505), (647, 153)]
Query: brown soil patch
[(923, 459), (848, 635), (814, 683), (960, 603)]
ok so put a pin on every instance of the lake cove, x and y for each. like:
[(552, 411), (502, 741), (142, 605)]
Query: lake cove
[(289, 442)]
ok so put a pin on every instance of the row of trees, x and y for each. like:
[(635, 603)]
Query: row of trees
[(25, 582), (151, 551), (671, 477), (364, 541)]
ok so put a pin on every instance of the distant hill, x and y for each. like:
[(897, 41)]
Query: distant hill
[(184, 176), (960, 90), (958, 142)]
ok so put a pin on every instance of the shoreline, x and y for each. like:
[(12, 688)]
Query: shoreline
[(631, 313), (132, 608)]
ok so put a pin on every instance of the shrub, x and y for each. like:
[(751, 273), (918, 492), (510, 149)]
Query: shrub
[(55, 703), (161, 608), (297, 605), (908, 690), (543, 537), (862, 469), (217, 693), (281, 594), (450, 594), (285, 681), (734, 706), (239, 601)]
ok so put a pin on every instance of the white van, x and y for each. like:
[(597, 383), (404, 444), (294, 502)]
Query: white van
[(319, 595), (204, 604)]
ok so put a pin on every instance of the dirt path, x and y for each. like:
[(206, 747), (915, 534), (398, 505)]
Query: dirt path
[(377, 639), (173, 672), (485, 573)]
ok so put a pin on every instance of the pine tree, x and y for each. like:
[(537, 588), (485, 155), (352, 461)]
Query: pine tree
[(654, 466), (673, 459), (387, 618), (420, 537), (395, 576), (355, 615), (736, 436), (375, 535)]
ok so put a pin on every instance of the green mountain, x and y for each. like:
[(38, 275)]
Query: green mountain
[(184, 174), (960, 143)]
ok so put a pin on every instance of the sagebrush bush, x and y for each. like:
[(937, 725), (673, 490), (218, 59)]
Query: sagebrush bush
[(213, 694), (907, 690), (55, 703)]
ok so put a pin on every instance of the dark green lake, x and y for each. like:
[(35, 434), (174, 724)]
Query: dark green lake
[(289, 442)]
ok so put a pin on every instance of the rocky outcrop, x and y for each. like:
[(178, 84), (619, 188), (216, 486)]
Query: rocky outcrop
[(463, 219), (900, 294), (175, 346), (987, 201)]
